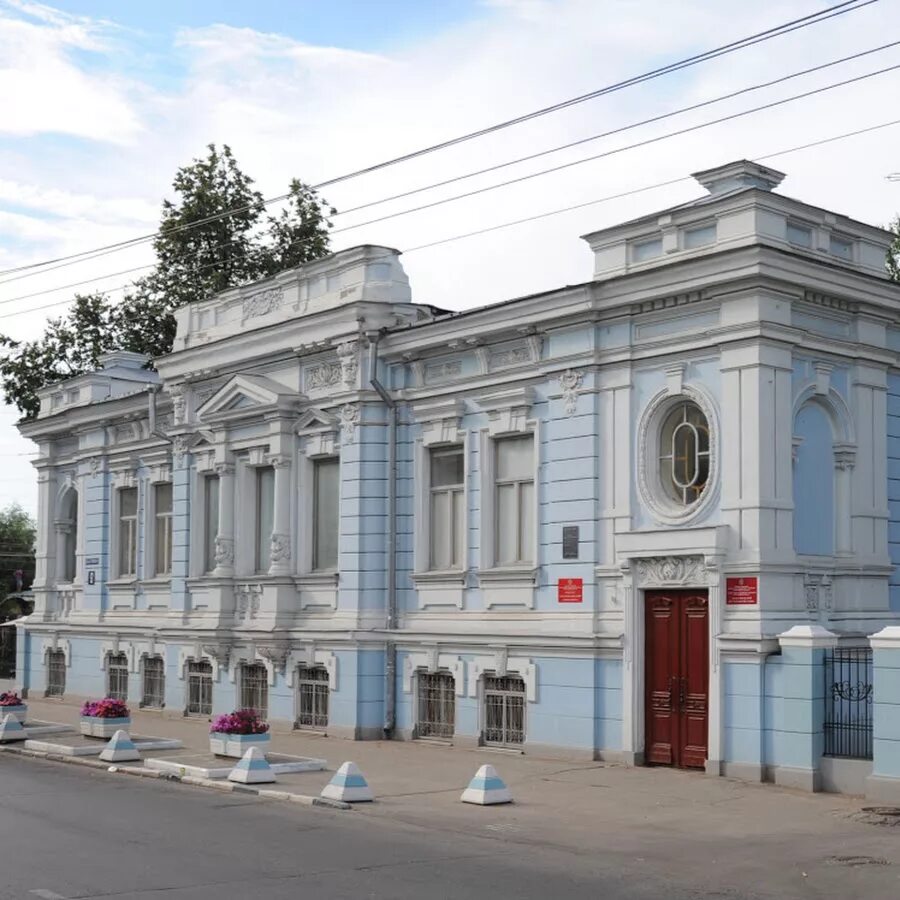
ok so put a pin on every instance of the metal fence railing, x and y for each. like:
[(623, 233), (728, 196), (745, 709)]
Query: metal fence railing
[(848, 703)]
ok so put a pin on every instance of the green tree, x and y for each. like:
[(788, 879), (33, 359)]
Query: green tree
[(17, 533), (893, 257), (199, 251)]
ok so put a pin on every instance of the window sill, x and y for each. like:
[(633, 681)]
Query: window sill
[(157, 581), (509, 574), (324, 578), (440, 576), (121, 583)]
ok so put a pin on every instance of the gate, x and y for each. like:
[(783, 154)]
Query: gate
[(848, 703)]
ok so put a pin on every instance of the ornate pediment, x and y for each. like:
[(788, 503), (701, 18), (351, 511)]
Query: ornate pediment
[(246, 395), (671, 571)]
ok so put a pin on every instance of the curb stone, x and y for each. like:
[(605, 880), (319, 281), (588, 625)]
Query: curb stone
[(226, 786)]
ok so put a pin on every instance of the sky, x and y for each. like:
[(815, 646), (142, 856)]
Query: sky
[(101, 101)]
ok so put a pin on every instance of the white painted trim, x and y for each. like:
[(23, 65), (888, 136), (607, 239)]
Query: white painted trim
[(432, 661)]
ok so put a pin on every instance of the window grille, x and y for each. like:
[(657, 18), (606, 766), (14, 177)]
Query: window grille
[(56, 673), (437, 705), (154, 690), (504, 710), (200, 688), (848, 703), (255, 689), (312, 697), (117, 676)]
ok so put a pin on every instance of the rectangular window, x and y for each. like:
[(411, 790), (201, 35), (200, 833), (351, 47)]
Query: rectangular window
[(56, 673), (210, 519), (841, 247), (799, 235), (255, 689), (699, 237), (437, 705), (326, 513), (504, 710), (199, 688), (448, 513), (162, 500), (128, 498), (265, 517), (154, 687), (312, 697), (645, 250), (514, 537), (117, 676)]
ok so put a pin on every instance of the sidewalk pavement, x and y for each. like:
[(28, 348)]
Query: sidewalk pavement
[(693, 825)]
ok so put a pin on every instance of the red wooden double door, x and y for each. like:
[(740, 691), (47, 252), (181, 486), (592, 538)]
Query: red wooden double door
[(677, 678)]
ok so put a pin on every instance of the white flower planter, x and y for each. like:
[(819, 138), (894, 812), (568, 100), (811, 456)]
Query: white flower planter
[(94, 726), (17, 712), (236, 745)]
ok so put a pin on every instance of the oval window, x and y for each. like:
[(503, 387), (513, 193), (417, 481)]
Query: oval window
[(684, 453)]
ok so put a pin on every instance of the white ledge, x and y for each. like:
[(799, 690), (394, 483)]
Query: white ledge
[(808, 636)]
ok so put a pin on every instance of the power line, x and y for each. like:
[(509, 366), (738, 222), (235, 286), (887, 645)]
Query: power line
[(830, 12), (577, 206), (477, 191)]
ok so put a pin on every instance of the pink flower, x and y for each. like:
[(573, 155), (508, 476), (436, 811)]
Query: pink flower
[(242, 721)]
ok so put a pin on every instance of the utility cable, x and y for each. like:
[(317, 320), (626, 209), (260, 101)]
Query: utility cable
[(554, 212), (823, 15), (492, 187)]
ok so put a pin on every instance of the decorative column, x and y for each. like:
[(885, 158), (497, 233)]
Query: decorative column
[(883, 785), (225, 534), (844, 460), (280, 554)]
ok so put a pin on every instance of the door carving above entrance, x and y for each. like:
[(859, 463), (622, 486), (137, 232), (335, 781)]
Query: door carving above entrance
[(672, 571)]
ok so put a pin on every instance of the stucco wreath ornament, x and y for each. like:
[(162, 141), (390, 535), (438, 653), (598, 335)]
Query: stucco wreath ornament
[(570, 381)]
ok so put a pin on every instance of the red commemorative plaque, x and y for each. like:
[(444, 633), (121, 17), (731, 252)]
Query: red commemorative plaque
[(741, 591), (570, 590)]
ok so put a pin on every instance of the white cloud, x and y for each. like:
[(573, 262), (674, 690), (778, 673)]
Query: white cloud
[(46, 89)]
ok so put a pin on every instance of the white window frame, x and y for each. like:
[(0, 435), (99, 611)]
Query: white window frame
[(489, 520), (118, 656), (152, 544), (117, 530)]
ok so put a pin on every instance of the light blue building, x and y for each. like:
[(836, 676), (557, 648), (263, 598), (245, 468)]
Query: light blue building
[(651, 518)]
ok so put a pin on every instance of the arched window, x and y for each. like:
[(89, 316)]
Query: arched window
[(67, 536)]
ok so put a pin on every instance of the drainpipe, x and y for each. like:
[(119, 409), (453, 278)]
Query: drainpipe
[(390, 649)]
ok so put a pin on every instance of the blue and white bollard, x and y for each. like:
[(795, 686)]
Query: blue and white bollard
[(486, 788), (11, 730), (252, 768), (120, 748), (349, 785)]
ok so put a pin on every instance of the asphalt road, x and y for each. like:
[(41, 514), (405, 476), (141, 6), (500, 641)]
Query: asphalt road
[(72, 832)]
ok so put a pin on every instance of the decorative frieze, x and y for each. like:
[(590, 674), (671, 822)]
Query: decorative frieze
[(443, 371), (280, 549), (247, 601), (818, 591), (664, 571), (224, 551), (322, 376), (262, 303)]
